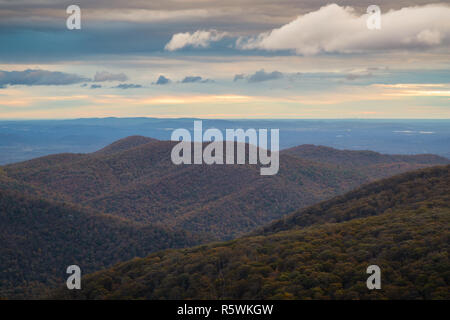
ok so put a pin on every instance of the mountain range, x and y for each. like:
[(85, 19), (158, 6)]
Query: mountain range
[(135, 179), (128, 200), (400, 224)]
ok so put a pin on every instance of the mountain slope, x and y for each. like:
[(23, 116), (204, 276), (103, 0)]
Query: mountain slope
[(406, 191), (408, 239), (39, 239), (134, 178), (372, 164), (125, 144), (140, 183)]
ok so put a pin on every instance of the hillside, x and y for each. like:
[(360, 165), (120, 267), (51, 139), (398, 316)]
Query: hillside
[(323, 258), (134, 178), (372, 164), (140, 183), (407, 191), (39, 239)]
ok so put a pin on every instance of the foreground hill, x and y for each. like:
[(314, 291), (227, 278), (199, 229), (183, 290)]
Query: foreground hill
[(39, 239), (372, 164), (134, 178), (404, 233), (407, 191)]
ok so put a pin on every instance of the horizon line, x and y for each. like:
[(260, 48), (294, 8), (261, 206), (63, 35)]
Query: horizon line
[(225, 118)]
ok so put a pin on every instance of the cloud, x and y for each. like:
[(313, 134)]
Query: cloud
[(95, 86), (106, 76), (259, 76), (336, 29), (195, 79), (31, 77), (128, 86), (191, 79), (198, 39), (29, 30), (356, 76), (162, 80)]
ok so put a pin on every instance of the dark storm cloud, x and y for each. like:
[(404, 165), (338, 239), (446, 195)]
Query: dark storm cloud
[(39, 78)]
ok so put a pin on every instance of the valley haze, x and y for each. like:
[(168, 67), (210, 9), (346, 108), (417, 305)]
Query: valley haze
[(26, 139)]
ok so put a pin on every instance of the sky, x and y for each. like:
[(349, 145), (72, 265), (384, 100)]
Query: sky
[(279, 59)]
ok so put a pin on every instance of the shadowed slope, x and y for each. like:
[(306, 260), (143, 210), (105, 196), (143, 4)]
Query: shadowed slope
[(39, 239), (405, 231)]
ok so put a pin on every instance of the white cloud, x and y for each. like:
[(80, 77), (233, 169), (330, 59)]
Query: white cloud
[(198, 39), (336, 29)]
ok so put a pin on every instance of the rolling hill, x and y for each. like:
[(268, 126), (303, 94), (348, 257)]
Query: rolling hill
[(372, 164), (128, 199), (400, 224), (135, 179)]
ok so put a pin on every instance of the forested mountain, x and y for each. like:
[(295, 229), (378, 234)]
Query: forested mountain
[(400, 224), (125, 144), (407, 191), (39, 239), (128, 199), (134, 178), (372, 164)]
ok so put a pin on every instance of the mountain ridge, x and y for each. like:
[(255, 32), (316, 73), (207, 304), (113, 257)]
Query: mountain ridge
[(323, 260), (134, 178)]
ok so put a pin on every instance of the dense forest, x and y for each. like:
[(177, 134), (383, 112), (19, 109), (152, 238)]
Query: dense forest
[(128, 200), (400, 224), (39, 239), (135, 179), (407, 191)]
